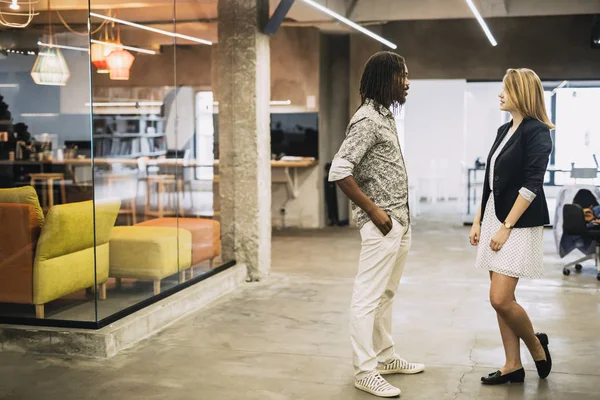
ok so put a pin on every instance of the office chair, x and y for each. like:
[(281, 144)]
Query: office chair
[(574, 224)]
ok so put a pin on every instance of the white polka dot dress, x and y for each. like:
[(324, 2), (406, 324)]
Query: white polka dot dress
[(522, 256)]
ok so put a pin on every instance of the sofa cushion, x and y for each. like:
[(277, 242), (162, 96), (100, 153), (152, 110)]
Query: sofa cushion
[(206, 235), (146, 252), (70, 227)]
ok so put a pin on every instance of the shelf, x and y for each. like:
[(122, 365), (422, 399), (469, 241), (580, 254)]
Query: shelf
[(128, 135), (154, 154), (125, 118)]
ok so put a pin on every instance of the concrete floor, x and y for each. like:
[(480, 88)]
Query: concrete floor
[(287, 337)]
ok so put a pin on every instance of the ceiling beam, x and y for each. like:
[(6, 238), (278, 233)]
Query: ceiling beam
[(351, 8), (495, 7)]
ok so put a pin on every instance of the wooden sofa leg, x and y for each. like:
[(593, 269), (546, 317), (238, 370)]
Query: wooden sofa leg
[(212, 263), (182, 275), (157, 286), (102, 294), (39, 311), (192, 273), (119, 282)]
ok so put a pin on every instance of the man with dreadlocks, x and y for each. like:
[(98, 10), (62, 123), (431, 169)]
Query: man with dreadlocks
[(369, 168)]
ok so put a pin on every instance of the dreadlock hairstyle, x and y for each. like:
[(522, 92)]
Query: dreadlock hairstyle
[(383, 80)]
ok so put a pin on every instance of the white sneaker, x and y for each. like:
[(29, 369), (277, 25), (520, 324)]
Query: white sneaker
[(378, 386), (400, 366)]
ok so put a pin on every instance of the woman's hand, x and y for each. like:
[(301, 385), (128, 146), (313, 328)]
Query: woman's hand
[(475, 234), (500, 239)]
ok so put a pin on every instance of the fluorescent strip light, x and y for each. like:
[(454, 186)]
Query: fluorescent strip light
[(9, 85), (482, 23), (350, 23), (60, 46), (31, 115), (560, 86), (280, 102), (127, 104), (148, 28), (120, 46), (272, 102)]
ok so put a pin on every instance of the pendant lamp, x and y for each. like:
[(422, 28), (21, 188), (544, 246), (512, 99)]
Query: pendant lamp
[(119, 62), (99, 52), (50, 67)]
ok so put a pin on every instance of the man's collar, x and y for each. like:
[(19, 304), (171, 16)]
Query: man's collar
[(378, 107)]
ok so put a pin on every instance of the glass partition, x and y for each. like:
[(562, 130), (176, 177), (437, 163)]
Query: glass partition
[(106, 160), (47, 249)]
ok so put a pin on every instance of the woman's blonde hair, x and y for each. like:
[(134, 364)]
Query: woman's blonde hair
[(526, 94)]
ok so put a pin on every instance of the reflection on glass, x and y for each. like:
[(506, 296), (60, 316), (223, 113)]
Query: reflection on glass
[(153, 152), (48, 250), (107, 163)]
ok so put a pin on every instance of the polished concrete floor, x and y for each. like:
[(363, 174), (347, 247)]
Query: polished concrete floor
[(287, 337)]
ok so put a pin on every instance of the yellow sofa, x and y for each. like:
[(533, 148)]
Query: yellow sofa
[(63, 260)]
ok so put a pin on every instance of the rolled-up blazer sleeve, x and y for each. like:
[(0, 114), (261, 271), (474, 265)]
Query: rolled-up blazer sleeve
[(538, 146)]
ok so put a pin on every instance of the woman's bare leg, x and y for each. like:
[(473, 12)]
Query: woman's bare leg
[(511, 343), (502, 297)]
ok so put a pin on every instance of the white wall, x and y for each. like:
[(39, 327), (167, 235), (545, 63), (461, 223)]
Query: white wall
[(434, 136), (302, 212), (483, 118)]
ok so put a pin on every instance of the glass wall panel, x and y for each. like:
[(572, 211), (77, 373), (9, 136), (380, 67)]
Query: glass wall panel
[(134, 134), (107, 158), (194, 144), (46, 213)]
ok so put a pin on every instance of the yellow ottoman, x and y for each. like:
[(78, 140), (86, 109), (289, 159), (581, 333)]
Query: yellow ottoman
[(149, 253)]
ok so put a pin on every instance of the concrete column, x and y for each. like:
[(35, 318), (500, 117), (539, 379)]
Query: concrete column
[(334, 97), (243, 92), (361, 49)]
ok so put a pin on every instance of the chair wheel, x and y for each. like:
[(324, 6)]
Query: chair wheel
[(566, 272), (578, 267)]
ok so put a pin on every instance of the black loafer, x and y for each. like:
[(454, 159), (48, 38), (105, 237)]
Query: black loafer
[(497, 378), (544, 366)]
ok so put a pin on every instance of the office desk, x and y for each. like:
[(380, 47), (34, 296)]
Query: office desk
[(289, 175)]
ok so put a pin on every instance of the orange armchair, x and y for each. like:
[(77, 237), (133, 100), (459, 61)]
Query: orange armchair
[(17, 250)]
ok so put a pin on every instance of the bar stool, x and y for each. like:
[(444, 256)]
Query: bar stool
[(164, 183), (128, 208), (47, 180)]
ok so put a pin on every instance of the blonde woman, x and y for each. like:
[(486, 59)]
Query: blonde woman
[(509, 225)]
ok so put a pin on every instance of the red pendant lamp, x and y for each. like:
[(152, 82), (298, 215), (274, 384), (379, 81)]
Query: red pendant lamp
[(99, 52), (119, 61)]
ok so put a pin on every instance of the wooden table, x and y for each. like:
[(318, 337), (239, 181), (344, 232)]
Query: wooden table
[(290, 167)]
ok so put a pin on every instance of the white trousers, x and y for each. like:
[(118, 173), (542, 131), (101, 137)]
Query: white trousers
[(382, 260)]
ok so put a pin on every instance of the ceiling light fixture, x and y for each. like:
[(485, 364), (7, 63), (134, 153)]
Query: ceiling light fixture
[(60, 46), (116, 45), (560, 86), (281, 102), (39, 115), (17, 17), (482, 23), (272, 102), (50, 67), (122, 46), (350, 23), (148, 28)]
